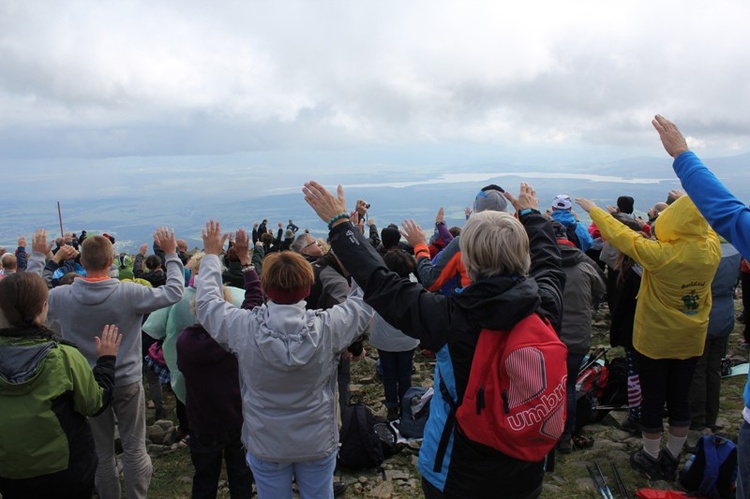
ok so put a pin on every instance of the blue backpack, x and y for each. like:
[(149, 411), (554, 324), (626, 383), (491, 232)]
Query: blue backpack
[(413, 420), (713, 471)]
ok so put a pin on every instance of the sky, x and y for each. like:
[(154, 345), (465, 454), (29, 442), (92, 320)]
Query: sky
[(117, 98)]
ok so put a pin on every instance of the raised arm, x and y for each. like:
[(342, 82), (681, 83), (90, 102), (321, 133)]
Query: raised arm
[(728, 216), (406, 305)]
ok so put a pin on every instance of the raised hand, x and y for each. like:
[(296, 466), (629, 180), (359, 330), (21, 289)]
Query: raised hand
[(242, 246), (213, 239), (440, 217), (586, 204), (526, 198), (39, 242), (65, 253), (671, 137), (164, 238), (22, 242), (110, 341), (413, 233), (143, 249), (326, 206)]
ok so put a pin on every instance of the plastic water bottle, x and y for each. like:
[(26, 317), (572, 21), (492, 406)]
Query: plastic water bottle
[(689, 462)]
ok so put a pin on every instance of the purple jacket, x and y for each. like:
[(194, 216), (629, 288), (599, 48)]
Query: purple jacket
[(212, 380)]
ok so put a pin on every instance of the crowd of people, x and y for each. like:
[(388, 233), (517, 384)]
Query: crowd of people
[(255, 336)]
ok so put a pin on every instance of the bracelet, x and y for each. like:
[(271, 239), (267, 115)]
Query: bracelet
[(248, 266), (336, 219), (526, 212)]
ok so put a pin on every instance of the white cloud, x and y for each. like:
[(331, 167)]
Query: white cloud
[(83, 78)]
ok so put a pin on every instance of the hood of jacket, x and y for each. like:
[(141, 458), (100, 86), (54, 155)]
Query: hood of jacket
[(287, 337), (681, 220), (93, 292), (571, 256), (499, 302), (21, 360), (565, 217)]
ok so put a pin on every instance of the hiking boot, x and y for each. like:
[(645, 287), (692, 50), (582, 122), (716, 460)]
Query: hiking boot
[(669, 465), (339, 489), (646, 464)]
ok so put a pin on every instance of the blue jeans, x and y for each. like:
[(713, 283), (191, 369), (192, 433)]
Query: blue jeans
[(396, 368), (574, 364), (743, 462), (206, 452), (274, 480)]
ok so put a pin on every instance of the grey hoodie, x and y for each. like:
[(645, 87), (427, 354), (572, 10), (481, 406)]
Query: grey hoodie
[(287, 357), (83, 309)]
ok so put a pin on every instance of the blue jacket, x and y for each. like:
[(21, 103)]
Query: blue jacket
[(566, 217), (721, 318), (728, 216)]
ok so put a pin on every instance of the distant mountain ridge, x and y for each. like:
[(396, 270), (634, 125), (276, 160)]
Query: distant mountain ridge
[(133, 218)]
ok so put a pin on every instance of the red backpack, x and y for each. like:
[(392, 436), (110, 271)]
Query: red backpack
[(515, 400)]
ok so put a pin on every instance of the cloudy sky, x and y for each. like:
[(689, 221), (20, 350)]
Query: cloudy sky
[(146, 92)]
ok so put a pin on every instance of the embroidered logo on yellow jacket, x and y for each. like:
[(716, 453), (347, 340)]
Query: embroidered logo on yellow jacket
[(671, 317)]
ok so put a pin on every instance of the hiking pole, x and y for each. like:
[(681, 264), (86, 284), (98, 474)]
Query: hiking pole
[(596, 482), (618, 479), (604, 481)]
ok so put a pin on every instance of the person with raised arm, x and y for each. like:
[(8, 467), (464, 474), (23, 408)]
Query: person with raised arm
[(671, 320), (87, 305), (728, 216), (515, 269), (287, 358)]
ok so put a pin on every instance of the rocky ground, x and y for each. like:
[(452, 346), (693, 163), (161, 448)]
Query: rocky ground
[(400, 478)]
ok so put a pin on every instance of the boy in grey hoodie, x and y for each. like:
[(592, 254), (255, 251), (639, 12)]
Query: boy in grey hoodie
[(82, 309)]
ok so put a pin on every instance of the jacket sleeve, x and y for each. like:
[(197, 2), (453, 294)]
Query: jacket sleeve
[(335, 287), (650, 254), (444, 233), (729, 216), (405, 305), (138, 266), (374, 237), (147, 300), (430, 272), (253, 293), (546, 266), (36, 263), (92, 390), (343, 322), (22, 258), (221, 319)]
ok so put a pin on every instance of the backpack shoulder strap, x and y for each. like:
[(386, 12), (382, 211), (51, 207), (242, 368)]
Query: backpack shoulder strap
[(711, 470), (450, 423)]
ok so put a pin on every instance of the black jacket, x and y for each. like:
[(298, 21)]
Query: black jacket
[(450, 326)]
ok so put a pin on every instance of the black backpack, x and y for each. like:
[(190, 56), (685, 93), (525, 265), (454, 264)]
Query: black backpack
[(365, 441)]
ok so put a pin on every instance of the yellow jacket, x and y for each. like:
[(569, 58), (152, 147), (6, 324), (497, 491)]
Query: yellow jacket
[(671, 316)]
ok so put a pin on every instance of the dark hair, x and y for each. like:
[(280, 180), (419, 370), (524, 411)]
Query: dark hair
[(153, 262), (266, 238), (624, 263), (455, 231), (231, 255), (400, 262), (22, 298)]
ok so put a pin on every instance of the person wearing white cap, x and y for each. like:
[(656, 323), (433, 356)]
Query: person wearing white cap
[(562, 211)]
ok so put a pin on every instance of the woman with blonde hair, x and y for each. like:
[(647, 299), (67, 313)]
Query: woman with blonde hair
[(287, 358)]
